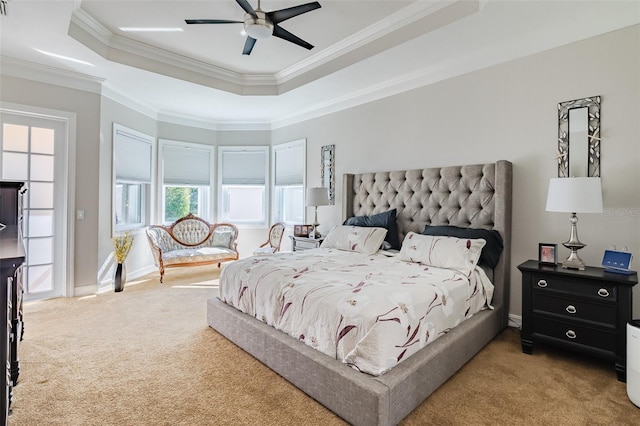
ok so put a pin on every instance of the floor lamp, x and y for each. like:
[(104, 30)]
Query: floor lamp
[(317, 197)]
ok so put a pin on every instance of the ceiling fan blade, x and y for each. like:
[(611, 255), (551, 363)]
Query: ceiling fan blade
[(211, 21), (278, 16), (247, 7), (248, 45), (286, 35)]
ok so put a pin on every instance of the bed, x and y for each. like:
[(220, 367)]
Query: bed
[(471, 197)]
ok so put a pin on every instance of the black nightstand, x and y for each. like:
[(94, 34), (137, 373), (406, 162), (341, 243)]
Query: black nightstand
[(305, 243), (586, 311)]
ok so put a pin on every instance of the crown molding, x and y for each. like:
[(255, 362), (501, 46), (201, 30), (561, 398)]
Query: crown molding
[(28, 70), (89, 32), (217, 125), (113, 93), (405, 16), (391, 31)]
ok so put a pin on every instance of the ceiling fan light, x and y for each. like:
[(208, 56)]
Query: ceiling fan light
[(258, 27), (258, 31)]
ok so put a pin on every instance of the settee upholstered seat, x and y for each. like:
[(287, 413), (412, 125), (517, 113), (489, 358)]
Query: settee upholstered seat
[(192, 241)]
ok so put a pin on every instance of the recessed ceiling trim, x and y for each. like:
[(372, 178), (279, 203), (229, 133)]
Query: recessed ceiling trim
[(86, 30), (405, 16), (133, 47), (386, 32), (213, 124)]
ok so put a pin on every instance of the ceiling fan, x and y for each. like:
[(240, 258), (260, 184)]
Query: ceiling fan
[(260, 25)]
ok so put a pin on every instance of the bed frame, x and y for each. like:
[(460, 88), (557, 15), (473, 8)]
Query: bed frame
[(476, 196)]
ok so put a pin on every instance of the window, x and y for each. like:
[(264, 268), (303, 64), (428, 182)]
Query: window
[(289, 160), (128, 203), (179, 201), (243, 188), (186, 180), (132, 163)]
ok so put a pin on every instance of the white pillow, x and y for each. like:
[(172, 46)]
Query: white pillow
[(365, 240), (461, 254)]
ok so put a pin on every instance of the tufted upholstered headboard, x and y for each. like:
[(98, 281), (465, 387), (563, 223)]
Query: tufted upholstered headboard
[(472, 196)]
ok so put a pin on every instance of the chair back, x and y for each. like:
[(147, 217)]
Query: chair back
[(275, 235)]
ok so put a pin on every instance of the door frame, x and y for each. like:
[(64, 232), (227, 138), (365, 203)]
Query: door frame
[(68, 161)]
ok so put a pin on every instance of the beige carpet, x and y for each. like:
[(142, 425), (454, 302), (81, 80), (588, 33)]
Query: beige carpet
[(147, 357)]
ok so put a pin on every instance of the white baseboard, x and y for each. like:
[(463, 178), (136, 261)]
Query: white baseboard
[(107, 285), (85, 290), (142, 272), (132, 275)]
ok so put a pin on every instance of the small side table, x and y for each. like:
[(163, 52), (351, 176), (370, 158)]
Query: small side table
[(305, 243), (586, 311)]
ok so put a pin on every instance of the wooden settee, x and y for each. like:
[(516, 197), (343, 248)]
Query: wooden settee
[(192, 241)]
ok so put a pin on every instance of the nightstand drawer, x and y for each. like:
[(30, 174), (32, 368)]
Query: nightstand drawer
[(603, 291), (575, 334), (603, 314), (304, 245)]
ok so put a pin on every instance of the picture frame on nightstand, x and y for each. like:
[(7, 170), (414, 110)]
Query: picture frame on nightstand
[(302, 230), (547, 254)]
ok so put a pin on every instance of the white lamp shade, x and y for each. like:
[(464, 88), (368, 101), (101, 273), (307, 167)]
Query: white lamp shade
[(575, 195), (317, 196)]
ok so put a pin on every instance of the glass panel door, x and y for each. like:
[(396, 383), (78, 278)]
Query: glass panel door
[(30, 149)]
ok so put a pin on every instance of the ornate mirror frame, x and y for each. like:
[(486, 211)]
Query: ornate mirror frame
[(328, 176), (592, 130)]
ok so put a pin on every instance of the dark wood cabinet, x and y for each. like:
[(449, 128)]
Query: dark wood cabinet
[(586, 311), (12, 258)]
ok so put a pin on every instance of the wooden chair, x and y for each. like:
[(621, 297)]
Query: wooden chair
[(272, 245)]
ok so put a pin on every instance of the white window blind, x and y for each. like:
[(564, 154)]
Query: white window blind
[(244, 167), (132, 158), (184, 165), (289, 164)]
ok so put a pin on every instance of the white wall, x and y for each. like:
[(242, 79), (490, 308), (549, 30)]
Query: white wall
[(508, 111)]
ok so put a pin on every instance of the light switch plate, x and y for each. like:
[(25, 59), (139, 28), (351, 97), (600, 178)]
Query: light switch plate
[(80, 214)]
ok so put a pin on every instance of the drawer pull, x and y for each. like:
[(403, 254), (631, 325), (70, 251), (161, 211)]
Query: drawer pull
[(542, 283), (571, 309), (571, 334), (603, 292)]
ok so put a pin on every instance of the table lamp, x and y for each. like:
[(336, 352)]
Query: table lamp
[(574, 195), (317, 197)]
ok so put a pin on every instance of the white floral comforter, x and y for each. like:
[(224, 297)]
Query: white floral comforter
[(369, 311)]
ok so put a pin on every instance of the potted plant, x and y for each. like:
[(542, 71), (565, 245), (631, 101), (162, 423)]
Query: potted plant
[(121, 246)]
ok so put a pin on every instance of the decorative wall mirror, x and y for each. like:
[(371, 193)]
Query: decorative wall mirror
[(328, 171), (579, 138)]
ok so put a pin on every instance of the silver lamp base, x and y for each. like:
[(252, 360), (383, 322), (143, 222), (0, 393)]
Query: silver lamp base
[(315, 234), (574, 244), (573, 261)]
